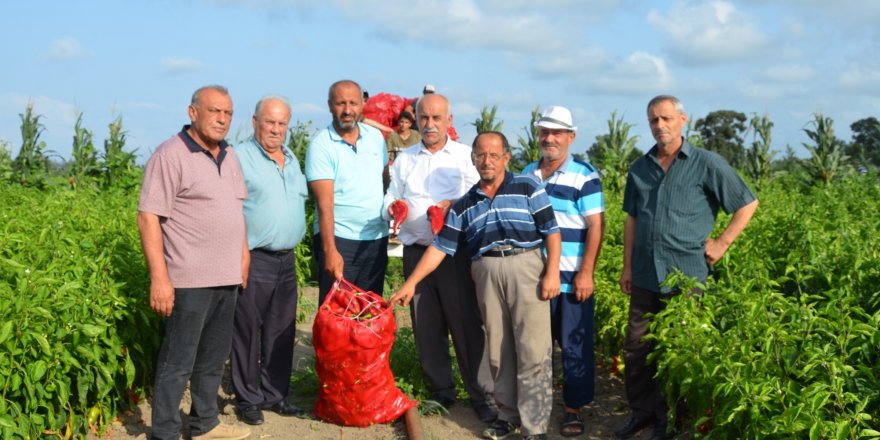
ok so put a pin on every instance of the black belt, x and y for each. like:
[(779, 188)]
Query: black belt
[(280, 253), (506, 251)]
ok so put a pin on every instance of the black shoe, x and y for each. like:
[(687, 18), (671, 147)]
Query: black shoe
[(446, 402), (632, 427), (251, 415), (486, 412), (285, 408), (500, 429), (659, 432)]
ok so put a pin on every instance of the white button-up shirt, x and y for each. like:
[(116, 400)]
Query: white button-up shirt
[(423, 179)]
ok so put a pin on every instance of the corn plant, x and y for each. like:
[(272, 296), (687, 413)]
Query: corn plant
[(827, 158), (613, 153), (85, 156), (29, 167), (486, 121), (529, 150), (759, 158), (119, 165)]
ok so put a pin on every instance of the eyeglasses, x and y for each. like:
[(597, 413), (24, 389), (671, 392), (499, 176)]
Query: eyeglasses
[(494, 157)]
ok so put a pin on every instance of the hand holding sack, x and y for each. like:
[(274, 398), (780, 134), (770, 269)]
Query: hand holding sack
[(352, 335), (399, 210), (435, 215)]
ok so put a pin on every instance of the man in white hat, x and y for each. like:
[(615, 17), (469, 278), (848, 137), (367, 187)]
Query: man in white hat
[(576, 195)]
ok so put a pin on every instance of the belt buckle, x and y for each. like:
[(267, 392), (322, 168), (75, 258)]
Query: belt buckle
[(506, 251)]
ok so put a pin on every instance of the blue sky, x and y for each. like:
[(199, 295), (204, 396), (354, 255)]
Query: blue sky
[(142, 59)]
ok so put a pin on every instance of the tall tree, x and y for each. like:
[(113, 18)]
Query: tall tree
[(827, 159), (613, 152), (759, 158), (528, 150), (722, 132), (865, 145), (486, 121)]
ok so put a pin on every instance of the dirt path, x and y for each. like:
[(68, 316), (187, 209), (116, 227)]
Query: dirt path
[(606, 413)]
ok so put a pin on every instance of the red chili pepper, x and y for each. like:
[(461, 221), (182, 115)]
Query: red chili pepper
[(435, 215), (399, 210)]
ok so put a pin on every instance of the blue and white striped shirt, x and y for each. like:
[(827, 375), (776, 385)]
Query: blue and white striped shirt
[(575, 193), (520, 214)]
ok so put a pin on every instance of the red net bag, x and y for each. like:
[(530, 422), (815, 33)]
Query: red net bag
[(352, 335)]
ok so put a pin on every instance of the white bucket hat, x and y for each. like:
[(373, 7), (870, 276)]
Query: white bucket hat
[(557, 118)]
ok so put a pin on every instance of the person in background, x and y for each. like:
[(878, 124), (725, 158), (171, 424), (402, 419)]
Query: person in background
[(345, 169), (405, 135), (265, 315), (672, 197), (500, 224), (576, 194), (193, 236), (436, 173)]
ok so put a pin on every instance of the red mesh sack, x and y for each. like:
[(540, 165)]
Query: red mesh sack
[(352, 335), (384, 108)]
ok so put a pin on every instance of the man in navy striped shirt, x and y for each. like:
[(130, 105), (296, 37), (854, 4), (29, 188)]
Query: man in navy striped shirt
[(502, 222), (576, 195)]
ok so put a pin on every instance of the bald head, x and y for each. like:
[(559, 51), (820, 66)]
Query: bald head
[(434, 119)]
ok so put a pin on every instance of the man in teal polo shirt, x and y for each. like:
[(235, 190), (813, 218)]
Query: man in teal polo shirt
[(265, 314), (672, 198), (345, 165)]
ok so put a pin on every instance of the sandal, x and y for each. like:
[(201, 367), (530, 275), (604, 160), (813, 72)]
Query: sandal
[(572, 425)]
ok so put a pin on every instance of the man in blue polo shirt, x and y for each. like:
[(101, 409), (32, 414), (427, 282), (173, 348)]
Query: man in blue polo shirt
[(576, 194), (265, 314), (502, 222), (345, 165)]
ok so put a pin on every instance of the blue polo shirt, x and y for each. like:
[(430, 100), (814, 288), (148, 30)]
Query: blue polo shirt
[(356, 172), (575, 193), (274, 210), (519, 215)]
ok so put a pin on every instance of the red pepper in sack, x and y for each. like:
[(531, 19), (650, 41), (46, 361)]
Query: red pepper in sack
[(399, 210), (435, 215), (352, 335)]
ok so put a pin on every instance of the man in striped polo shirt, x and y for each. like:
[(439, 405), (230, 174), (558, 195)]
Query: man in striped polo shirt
[(576, 194), (502, 221)]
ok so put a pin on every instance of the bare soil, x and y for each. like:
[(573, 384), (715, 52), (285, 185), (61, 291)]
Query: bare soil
[(602, 417)]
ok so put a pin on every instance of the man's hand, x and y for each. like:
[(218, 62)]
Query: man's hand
[(550, 285), (626, 280), (333, 263), (715, 249), (444, 205), (583, 286), (162, 296), (404, 295)]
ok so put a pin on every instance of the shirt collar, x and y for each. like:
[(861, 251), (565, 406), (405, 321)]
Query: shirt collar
[(195, 147), (284, 150), (336, 137), (562, 168), (424, 149), (686, 149)]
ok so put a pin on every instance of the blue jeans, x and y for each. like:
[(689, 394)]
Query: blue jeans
[(572, 324), (198, 335)]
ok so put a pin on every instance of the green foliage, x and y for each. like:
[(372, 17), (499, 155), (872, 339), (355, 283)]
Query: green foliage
[(784, 342), (6, 169), (827, 158), (486, 121), (865, 145), (30, 166), (759, 159), (77, 335), (119, 166), (722, 131), (613, 152), (85, 156), (692, 137), (528, 150), (306, 267)]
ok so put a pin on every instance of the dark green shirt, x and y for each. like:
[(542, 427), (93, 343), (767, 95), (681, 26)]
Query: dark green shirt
[(676, 211)]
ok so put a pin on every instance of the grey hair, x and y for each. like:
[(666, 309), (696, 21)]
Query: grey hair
[(268, 98), (505, 145), (342, 82), (679, 107), (418, 105), (197, 94)]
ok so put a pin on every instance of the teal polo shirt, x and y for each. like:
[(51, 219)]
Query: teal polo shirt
[(356, 172), (676, 211), (274, 210)]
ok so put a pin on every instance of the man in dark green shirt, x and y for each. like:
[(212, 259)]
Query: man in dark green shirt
[(672, 198)]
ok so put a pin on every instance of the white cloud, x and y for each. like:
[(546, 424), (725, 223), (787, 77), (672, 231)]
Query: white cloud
[(640, 72), (65, 49), (861, 78), (788, 73), (708, 33), (180, 65)]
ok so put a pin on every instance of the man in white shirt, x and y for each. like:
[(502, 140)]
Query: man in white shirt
[(436, 172)]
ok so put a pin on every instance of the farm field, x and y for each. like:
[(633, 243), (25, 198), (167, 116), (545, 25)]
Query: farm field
[(784, 344)]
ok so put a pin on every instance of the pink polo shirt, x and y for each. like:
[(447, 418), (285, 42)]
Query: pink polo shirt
[(199, 203)]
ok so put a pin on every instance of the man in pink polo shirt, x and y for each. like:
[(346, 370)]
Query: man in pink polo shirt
[(193, 236)]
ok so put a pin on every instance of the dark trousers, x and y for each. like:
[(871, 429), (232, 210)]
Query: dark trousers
[(572, 324), (265, 325), (365, 264), (643, 391), (445, 303), (197, 338)]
